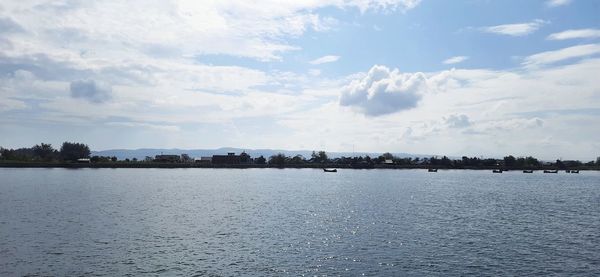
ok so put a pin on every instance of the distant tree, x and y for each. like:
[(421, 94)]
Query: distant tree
[(186, 158), (43, 151), (277, 160), (71, 151), (320, 157), (531, 161), (113, 159), (445, 161), (134, 159), (95, 159), (261, 160), (510, 161), (560, 164), (598, 161), (298, 159), (127, 160), (388, 156), (245, 158)]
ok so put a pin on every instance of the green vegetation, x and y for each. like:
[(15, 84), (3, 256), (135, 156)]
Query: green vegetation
[(71, 152)]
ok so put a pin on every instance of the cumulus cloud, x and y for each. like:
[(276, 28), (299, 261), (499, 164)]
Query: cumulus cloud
[(383, 91), (90, 90), (325, 59), (456, 59), (557, 3), (517, 29), (457, 121), (550, 57), (573, 34)]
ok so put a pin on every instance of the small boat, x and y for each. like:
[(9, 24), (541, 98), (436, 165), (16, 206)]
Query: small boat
[(497, 171), (567, 171), (432, 170), (575, 171), (528, 171), (551, 171), (329, 170)]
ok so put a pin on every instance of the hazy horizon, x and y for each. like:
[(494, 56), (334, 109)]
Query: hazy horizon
[(473, 78)]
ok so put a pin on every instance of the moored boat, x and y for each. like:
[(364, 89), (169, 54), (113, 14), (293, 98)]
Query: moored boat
[(432, 170), (575, 171), (551, 171), (329, 170), (497, 171), (528, 171)]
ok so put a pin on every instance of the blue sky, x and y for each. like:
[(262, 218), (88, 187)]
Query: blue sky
[(435, 77)]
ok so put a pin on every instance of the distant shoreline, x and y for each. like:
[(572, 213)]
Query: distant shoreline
[(243, 166)]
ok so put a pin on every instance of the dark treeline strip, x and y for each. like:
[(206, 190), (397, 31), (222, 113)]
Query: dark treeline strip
[(75, 155)]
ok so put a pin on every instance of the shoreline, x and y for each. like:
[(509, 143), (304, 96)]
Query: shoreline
[(244, 166)]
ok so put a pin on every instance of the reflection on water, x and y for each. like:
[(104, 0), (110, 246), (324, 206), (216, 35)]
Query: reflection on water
[(297, 221)]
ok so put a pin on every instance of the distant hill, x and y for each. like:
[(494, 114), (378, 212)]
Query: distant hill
[(142, 153)]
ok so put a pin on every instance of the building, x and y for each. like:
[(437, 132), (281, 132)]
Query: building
[(230, 158), (167, 158), (203, 160)]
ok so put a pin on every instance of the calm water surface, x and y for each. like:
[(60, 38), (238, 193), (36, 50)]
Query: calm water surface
[(223, 222)]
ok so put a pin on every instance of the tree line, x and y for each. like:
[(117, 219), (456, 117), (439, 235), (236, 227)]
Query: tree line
[(44, 152), (73, 151), (389, 160)]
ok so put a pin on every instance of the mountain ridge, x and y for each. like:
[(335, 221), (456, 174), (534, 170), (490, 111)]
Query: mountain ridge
[(141, 153)]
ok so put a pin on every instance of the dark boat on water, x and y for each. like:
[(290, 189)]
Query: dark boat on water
[(432, 170), (551, 171), (575, 171), (329, 170), (497, 171), (528, 171)]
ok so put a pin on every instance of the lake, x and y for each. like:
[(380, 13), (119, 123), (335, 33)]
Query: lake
[(224, 222)]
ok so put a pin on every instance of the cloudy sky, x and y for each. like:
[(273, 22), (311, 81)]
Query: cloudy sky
[(472, 77)]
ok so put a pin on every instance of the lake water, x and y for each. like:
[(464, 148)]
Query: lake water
[(224, 222)]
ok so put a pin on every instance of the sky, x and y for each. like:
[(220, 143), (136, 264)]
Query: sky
[(472, 77)]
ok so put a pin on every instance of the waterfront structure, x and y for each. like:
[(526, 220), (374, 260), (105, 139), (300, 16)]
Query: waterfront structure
[(167, 158), (203, 160), (230, 158)]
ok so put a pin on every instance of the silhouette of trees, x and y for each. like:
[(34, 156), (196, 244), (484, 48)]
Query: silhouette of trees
[(71, 151), (297, 160), (388, 156), (277, 160), (245, 158), (510, 161), (44, 151), (261, 160), (320, 157)]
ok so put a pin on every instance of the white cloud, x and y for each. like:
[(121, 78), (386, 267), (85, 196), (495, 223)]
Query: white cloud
[(456, 59), (557, 3), (258, 30), (573, 34), (551, 57), (457, 121), (325, 59), (517, 29), (384, 91)]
